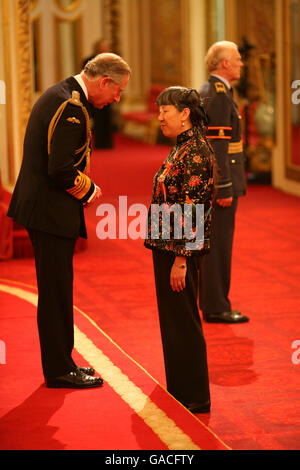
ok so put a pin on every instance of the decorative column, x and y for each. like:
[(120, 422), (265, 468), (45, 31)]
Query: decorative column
[(17, 78), (112, 24), (24, 64)]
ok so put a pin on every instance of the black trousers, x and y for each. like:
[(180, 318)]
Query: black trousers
[(215, 272), (54, 270), (183, 341)]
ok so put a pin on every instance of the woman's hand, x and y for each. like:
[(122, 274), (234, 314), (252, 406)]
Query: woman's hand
[(178, 273)]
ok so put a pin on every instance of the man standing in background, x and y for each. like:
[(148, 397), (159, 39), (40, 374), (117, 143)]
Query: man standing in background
[(224, 63)]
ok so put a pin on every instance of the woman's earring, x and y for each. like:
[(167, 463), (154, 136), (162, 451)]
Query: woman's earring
[(183, 124)]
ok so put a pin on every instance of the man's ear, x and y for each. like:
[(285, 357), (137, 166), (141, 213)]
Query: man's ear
[(104, 81), (225, 64)]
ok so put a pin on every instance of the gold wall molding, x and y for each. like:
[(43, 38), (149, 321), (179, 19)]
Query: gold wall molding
[(68, 5), (112, 24), (33, 4), (24, 63), (37, 57), (170, 48), (8, 82)]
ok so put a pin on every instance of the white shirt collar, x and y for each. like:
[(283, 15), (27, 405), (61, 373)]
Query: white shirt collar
[(222, 79), (82, 84)]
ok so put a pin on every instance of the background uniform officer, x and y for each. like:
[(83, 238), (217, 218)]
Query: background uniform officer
[(224, 134), (49, 197)]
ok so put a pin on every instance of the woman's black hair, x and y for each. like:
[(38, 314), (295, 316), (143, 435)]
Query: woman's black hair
[(181, 98)]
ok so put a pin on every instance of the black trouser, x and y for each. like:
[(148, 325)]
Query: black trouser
[(183, 341), (215, 272), (54, 270)]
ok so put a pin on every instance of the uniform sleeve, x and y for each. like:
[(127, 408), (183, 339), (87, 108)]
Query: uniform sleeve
[(219, 135), (68, 137)]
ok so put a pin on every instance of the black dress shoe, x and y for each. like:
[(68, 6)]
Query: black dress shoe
[(198, 407), (87, 370), (233, 316), (74, 379)]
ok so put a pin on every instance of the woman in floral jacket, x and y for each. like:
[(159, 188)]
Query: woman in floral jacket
[(178, 234)]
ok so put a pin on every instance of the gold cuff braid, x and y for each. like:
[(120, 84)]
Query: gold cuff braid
[(82, 185)]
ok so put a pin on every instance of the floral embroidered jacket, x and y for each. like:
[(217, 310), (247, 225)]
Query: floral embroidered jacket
[(179, 214)]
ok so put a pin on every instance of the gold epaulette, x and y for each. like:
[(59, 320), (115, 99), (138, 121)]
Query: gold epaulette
[(220, 87), (85, 149), (75, 98)]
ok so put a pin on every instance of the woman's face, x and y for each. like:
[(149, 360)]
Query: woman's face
[(171, 120)]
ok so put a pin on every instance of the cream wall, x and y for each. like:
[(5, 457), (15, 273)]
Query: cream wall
[(89, 12), (136, 44), (197, 40)]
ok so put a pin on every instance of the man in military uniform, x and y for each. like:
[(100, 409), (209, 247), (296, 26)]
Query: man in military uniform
[(224, 133), (49, 197)]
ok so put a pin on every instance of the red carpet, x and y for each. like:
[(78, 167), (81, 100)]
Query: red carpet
[(131, 411), (254, 381)]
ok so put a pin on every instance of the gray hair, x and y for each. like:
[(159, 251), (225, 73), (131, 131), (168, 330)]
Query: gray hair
[(109, 65), (217, 52)]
